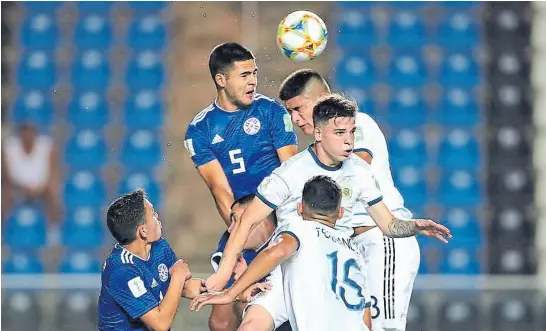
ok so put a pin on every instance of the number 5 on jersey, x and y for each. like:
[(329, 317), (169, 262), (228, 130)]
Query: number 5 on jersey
[(237, 160)]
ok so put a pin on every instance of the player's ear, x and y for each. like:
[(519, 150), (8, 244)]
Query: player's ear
[(318, 133), (340, 213), (300, 209), (220, 79), (141, 231)]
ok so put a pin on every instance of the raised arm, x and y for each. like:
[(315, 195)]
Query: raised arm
[(213, 175)]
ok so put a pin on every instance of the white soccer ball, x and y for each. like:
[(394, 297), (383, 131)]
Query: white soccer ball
[(302, 36)]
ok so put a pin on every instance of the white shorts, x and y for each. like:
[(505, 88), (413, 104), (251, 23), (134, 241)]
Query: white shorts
[(392, 267), (272, 300)]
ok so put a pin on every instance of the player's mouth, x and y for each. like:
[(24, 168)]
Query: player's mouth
[(250, 94), (347, 152)]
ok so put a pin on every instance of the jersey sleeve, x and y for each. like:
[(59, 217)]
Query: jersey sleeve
[(126, 286), (370, 193), (273, 190), (281, 128), (169, 254), (198, 146), (292, 229)]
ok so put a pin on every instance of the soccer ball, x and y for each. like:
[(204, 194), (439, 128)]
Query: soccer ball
[(302, 36)]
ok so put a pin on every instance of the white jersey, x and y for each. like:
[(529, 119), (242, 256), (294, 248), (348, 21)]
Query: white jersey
[(369, 138), (282, 190), (324, 282)]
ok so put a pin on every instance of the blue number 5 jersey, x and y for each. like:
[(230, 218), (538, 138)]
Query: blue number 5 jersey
[(245, 142)]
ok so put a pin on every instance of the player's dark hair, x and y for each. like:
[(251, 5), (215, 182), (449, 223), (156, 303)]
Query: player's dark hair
[(322, 195), (296, 82), (246, 200), (125, 215), (224, 55), (333, 106)]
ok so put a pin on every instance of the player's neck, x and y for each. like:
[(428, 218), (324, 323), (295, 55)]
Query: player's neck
[(140, 249), (223, 102), (323, 157), (321, 221)]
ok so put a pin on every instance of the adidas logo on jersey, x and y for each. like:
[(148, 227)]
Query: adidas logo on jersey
[(217, 139), (154, 283)]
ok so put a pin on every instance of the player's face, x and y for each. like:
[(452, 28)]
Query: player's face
[(241, 83), (301, 112), (152, 224), (337, 137)]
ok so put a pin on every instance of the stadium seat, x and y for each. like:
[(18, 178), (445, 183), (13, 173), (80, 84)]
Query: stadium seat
[(36, 70), (83, 229), (355, 71), (84, 188), (78, 262), (145, 71), (33, 105), (406, 69), (458, 107), (88, 109), (458, 150), (86, 150), (39, 31), (456, 315), (459, 69), (512, 256), (511, 143), (95, 7), (22, 262), (459, 189), (77, 310), (513, 314), (26, 228), (144, 110), (458, 29), (364, 100), (511, 184), (93, 31), (406, 30), (411, 183), (33, 7), (417, 313), (21, 311), (356, 29), (91, 70), (147, 7), (406, 109), (459, 4), (407, 148), (143, 180), (463, 224), (147, 32), (141, 149), (511, 222)]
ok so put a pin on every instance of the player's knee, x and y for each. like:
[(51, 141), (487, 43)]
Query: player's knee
[(222, 322)]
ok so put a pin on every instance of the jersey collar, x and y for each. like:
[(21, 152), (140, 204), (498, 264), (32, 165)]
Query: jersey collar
[(319, 163)]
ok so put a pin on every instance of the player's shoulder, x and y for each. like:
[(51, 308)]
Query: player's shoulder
[(354, 162), (365, 121), (119, 260), (262, 100), (295, 163), (199, 118)]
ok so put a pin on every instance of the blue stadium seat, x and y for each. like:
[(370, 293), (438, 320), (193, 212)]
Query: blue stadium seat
[(355, 71), (411, 182), (458, 29), (88, 109), (464, 225), (406, 108), (460, 259), (39, 32), (147, 7), (407, 70), (33, 105), (84, 188), (407, 148), (459, 4), (364, 100), (36, 70), (460, 189), (406, 30), (145, 71), (458, 107), (93, 32), (144, 110), (143, 180), (91, 70), (80, 262), (83, 228), (95, 7), (403, 4), (41, 6), (356, 29), (459, 150), (19, 262), (459, 69), (86, 150), (459, 312), (147, 32), (141, 149), (26, 228)]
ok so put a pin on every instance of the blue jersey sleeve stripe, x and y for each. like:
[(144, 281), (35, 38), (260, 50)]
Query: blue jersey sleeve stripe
[(374, 201), (363, 150), (264, 200)]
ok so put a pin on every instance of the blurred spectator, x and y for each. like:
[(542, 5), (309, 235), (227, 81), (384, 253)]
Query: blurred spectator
[(30, 166)]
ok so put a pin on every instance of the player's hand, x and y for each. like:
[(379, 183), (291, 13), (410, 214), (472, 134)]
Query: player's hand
[(182, 269), (216, 298), (433, 229), (240, 268), (249, 294), (217, 281)]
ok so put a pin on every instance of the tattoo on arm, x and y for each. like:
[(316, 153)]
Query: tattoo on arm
[(402, 229)]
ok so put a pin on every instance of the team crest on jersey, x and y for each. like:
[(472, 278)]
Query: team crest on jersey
[(163, 272), (347, 193), (252, 126)]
